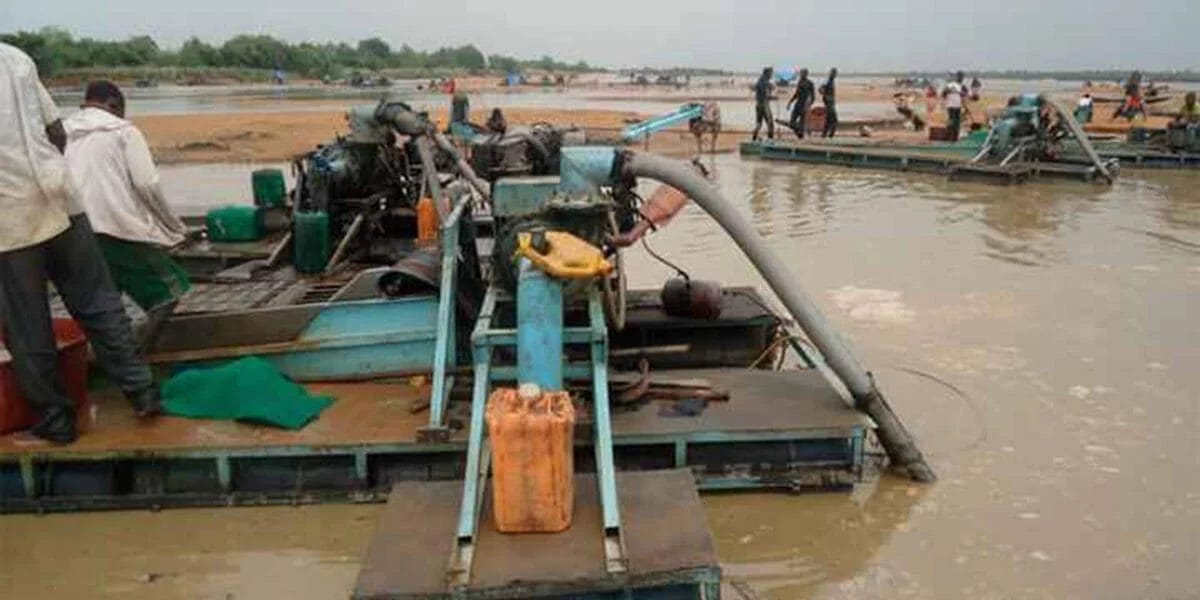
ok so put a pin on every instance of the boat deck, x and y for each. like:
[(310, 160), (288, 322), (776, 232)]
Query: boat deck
[(671, 554), (778, 429), (945, 159)]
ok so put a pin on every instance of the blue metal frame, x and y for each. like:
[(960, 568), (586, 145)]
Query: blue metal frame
[(445, 351), (686, 113), (483, 341)]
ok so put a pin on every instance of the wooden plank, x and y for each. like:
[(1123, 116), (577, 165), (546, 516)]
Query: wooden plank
[(665, 528), (364, 413)]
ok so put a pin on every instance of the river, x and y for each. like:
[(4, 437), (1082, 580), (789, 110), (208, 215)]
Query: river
[(1040, 341)]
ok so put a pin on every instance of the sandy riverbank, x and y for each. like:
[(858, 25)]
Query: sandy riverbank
[(273, 137), (276, 137)]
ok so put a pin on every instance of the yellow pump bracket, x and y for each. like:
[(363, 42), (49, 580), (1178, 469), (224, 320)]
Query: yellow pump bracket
[(565, 256)]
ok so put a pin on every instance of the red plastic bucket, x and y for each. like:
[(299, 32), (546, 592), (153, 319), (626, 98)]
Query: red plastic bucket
[(15, 413)]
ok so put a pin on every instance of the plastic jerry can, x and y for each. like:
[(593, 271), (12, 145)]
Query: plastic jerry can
[(15, 412), (533, 464)]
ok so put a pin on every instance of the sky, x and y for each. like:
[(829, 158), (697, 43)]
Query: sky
[(855, 35)]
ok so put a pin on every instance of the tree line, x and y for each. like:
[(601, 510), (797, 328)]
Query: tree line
[(57, 51)]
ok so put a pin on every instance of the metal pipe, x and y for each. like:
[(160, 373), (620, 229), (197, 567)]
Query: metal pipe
[(463, 168), (341, 247), (898, 443), (431, 177)]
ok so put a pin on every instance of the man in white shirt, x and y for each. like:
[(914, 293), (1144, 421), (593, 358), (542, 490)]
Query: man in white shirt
[(119, 188), (953, 95), (44, 235)]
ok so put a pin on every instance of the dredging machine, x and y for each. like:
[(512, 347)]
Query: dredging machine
[(1033, 137), (519, 287)]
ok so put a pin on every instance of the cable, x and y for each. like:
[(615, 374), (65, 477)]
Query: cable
[(664, 261)]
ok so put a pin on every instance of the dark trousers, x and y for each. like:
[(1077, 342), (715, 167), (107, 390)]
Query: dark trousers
[(72, 261), (831, 121), (953, 122), (762, 114), (799, 121)]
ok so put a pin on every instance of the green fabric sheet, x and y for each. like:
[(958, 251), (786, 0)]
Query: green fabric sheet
[(249, 389)]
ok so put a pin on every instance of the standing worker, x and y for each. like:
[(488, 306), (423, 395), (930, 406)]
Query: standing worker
[(762, 104), (953, 95), (801, 101), (119, 188), (828, 96), (1132, 103), (45, 235)]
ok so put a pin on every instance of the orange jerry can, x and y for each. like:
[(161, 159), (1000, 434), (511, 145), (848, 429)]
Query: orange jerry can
[(427, 220), (533, 464)]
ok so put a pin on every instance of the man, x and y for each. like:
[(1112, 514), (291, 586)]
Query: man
[(953, 96), (44, 234), (1189, 113), (828, 97), (1132, 103), (762, 104), (801, 101), (119, 188)]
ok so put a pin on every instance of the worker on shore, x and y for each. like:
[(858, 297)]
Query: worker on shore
[(800, 102), (119, 188), (496, 123), (829, 98), (45, 235), (762, 104), (952, 93), (1189, 113), (976, 89)]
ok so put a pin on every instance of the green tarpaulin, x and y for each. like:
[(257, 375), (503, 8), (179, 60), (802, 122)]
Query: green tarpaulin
[(249, 389)]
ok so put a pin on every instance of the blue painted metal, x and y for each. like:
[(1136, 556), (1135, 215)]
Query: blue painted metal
[(445, 348), (687, 112), (539, 328), (583, 169), (518, 196), (606, 475), (349, 340)]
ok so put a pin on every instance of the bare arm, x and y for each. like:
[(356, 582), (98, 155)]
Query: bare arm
[(53, 124)]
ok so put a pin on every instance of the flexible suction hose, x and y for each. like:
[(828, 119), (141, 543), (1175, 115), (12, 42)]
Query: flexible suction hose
[(899, 444)]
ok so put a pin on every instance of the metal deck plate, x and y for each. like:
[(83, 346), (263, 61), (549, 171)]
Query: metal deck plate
[(666, 535)]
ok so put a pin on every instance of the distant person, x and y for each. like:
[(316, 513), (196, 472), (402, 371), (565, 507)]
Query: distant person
[(119, 188), (1084, 108), (952, 93), (1189, 113), (762, 104), (1132, 104), (496, 123), (801, 101), (829, 98), (976, 89), (931, 102), (45, 235)]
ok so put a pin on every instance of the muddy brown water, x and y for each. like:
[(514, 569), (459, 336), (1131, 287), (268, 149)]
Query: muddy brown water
[(1041, 341)]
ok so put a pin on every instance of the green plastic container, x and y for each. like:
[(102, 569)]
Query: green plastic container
[(269, 189), (311, 244), (233, 224)]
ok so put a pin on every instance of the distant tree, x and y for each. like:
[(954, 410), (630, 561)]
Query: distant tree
[(254, 51), (196, 53)]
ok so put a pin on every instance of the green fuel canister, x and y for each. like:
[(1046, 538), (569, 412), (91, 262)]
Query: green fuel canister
[(233, 224), (269, 188), (311, 244)]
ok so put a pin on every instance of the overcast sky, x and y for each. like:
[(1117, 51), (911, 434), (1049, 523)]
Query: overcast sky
[(737, 34)]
